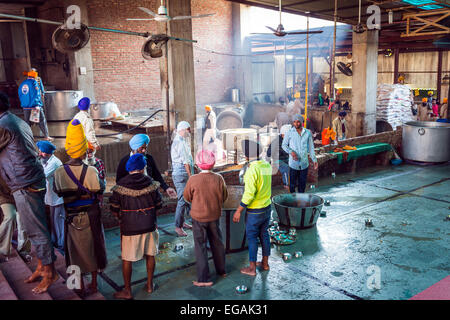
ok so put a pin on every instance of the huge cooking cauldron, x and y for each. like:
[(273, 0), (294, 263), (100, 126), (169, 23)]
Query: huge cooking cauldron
[(298, 210)]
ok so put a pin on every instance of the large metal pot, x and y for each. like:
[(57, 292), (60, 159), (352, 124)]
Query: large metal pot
[(233, 234), (426, 141), (229, 119), (102, 110), (61, 105), (232, 138), (298, 210)]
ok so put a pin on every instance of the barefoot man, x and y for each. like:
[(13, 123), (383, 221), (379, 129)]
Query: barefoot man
[(256, 199), (134, 201), (24, 176), (80, 186)]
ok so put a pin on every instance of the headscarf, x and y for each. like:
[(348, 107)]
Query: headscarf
[(138, 141), (298, 117), (342, 114), (205, 159), (76, 142), (84, 103), (46, 147), (251, 149), (136, 162), (183, 125)]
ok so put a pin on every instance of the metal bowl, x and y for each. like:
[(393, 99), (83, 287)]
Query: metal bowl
[(298, 210)]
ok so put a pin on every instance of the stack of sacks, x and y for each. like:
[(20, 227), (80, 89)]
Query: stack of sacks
[(394, 104)]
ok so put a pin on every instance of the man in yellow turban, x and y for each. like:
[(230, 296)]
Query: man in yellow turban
[(444, 109), (80, 186), (210, 126)]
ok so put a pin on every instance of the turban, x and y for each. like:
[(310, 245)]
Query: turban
[(284, 129), (84, 103), (208, 108), (138, 141), (342, 114), (136, 162), (297, 95), (424, 99), (445, 100), (76, 142), (46, 147), (31, 74), (183, 125), (205, 159), (251, 148), (298, 117)]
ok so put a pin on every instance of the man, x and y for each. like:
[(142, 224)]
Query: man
[(57, 213), (80, 186), (298, 143), (280, 156), (182, 169), (206, 192), (139, 144), (88, 124), (339, 126), (135, 200), (24, 176), (210, 126), (435, 108), (97, 163), (444, 109), (31, 92), (10, 217), (256, 200)]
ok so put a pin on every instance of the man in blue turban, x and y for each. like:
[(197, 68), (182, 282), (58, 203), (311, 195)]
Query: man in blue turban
[(139, 144), (88, 123), (57, 213), (135, 194)]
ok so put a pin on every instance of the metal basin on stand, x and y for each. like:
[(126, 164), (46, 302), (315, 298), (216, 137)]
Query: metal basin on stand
[(298, 210), (233, 234)]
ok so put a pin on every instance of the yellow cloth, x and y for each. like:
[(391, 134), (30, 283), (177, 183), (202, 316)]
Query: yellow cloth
[(76, 142), (349, 148)]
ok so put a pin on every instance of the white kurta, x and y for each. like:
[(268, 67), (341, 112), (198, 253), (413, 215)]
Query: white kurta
[(88, 126)]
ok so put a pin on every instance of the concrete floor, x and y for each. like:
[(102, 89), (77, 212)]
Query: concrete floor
[(409, 242)]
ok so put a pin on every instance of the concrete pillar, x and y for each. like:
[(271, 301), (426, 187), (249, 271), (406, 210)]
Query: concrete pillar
[(280, 77), (181, 65), (241, 48), (82, 58), (364, 83)]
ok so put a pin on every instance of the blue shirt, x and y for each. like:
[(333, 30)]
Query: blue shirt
[(302, 144), (30, 92)]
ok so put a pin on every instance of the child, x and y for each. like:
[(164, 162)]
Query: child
[(206, 192), (135, 200)]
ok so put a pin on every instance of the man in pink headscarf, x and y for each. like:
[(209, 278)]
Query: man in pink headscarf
[(206, 191)]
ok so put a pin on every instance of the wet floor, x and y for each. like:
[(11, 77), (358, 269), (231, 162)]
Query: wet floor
[(406, 251)]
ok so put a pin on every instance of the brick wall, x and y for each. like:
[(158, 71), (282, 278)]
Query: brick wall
[(120, 72), (214, 73)]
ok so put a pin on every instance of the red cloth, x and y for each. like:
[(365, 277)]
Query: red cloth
[(436, 110)]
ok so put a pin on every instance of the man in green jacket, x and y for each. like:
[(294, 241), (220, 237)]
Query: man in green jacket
[(256, 200)]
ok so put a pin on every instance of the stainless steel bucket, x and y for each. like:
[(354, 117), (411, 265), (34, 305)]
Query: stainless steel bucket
[(426, 141), (298, 210), (61, 105), (233, 234), (102, 110)]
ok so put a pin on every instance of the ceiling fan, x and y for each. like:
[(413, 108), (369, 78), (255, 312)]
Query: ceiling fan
[(163, 17), (279, 32)]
